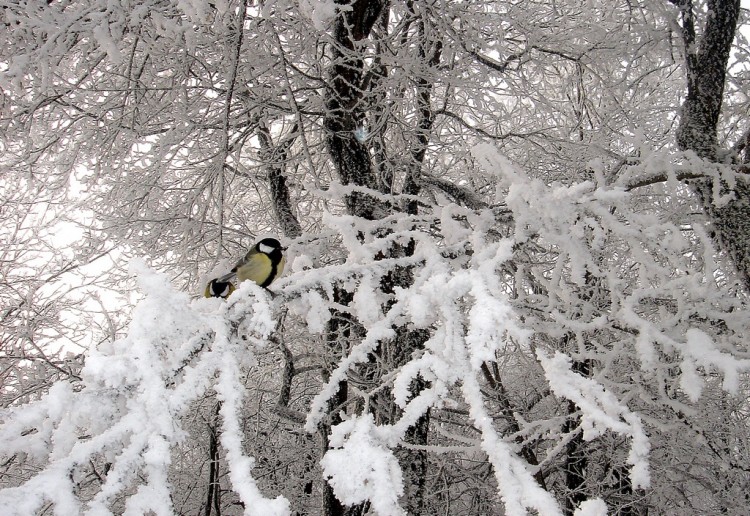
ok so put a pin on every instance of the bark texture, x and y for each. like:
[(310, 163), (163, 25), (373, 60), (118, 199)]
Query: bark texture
[(346, 107), (706, 64)]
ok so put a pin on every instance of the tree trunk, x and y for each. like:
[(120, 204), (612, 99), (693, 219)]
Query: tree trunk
[(344, 117), (706, 63), (341, 330), (344, 110), (213, 494), (576, 461)]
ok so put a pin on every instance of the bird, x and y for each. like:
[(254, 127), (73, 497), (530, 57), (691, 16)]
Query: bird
[(262, 264), (216, 288)]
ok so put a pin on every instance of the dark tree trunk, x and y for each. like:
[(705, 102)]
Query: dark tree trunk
[(345, 114), (429, 52), (414, 465), (706, 74), (213, 493), (352, 161), (575, 465), (331, 505), (344, 109), (706, 63), (342, 329), (576, 452), (413, 461)]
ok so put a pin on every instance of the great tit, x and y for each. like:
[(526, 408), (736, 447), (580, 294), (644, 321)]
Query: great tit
[(262, 264), (216, 288)]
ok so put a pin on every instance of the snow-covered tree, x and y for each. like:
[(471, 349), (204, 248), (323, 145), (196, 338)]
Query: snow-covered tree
[(513, 276)]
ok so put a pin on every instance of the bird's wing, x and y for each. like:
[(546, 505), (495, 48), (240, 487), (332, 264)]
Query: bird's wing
[(233, 273), (226, 277), (256, 269), (243, 260)]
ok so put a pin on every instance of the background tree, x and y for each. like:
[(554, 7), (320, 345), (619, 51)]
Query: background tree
[(497, 286)]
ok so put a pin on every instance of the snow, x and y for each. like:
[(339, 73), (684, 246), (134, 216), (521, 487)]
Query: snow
[(595, 507), (134, 399), (138, 389), (315, 311), (600, 411), (700, 350), (106, 41), (491, 322), (582, 270), (367, 302), (360, 467), (461, 342), (495, 163), (320, 12), (240, 465)]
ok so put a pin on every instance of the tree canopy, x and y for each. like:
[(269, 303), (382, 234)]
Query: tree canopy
[(517, 238)]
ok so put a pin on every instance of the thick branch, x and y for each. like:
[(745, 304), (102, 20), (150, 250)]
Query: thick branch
[(275, 157), (458, 193)]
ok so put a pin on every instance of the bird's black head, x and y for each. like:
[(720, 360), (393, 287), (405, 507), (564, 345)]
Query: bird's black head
[(216, 288), (269, 246)]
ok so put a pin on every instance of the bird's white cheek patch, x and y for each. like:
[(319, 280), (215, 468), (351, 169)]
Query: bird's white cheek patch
[(263, 248)]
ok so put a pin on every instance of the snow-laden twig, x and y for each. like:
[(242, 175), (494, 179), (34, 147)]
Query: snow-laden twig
[(600, 411), (132, 403)]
